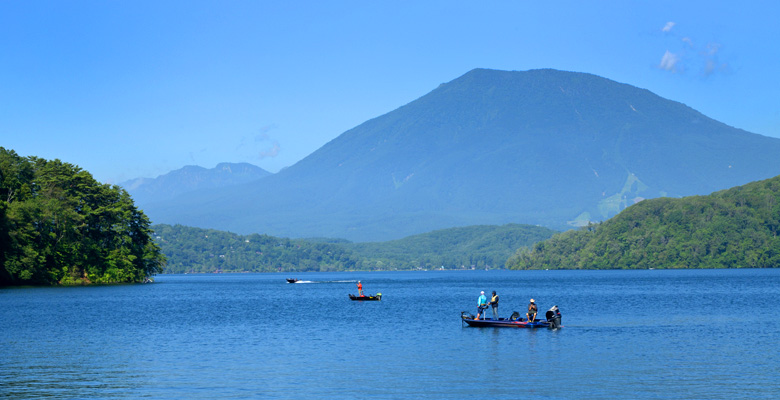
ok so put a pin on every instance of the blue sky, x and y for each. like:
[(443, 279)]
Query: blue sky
[(128, 89)]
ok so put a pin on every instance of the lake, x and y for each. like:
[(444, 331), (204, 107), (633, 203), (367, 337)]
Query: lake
[(683, 334)]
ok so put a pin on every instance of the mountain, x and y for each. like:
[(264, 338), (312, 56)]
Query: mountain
[(540, 147), (190, 178), (734, 228)]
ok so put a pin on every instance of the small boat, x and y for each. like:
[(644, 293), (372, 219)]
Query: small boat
[(291, 280), (371, 297), (552, 321)]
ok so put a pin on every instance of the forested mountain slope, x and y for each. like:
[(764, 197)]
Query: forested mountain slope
[(734, 228), (481, 246), (206, 250)]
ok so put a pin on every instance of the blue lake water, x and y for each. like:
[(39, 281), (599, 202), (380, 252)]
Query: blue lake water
[(698, 334)]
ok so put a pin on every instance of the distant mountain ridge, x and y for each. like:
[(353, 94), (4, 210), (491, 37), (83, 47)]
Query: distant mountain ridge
[(191, 249), (191, 178), (479, 246), (540, 147)]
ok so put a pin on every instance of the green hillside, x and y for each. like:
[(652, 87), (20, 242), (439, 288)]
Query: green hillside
[(734, 228), (207, 250), (58, 225), (473, 246)]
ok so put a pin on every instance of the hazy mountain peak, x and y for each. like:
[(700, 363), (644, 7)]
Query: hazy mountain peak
[(545, 147), (190, 178)]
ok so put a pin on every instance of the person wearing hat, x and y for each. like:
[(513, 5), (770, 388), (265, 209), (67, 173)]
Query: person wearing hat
[(531, 311), (360, 289), (481, 304), (494, 303)]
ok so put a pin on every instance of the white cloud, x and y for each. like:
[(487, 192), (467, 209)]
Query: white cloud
[(669, 61), (713, 48), (709, 67), (711, 62), (686, 53), (272, 152)]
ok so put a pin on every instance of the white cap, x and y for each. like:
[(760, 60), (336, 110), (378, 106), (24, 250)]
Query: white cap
[(482, 292)]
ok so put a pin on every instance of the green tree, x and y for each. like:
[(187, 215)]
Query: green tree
[(59, 225)]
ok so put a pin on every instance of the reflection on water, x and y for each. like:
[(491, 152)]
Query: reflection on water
[(639, 334)]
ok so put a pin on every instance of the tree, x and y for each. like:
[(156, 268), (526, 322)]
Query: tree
[(59, 225)]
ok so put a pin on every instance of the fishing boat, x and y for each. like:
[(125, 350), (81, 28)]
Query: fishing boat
[(552, 321), (291, 280), (371, 297)]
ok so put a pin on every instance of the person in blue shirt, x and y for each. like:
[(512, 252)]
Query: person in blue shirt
[(481, 304)]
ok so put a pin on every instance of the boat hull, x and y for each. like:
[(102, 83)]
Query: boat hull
[(378, 297), (552, 321), (505, 323)]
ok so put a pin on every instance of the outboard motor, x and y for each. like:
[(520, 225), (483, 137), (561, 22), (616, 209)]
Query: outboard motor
[(553, 316), (466, 315)]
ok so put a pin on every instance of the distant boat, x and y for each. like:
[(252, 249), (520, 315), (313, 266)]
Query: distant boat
[(291, 280), (370, 297)]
